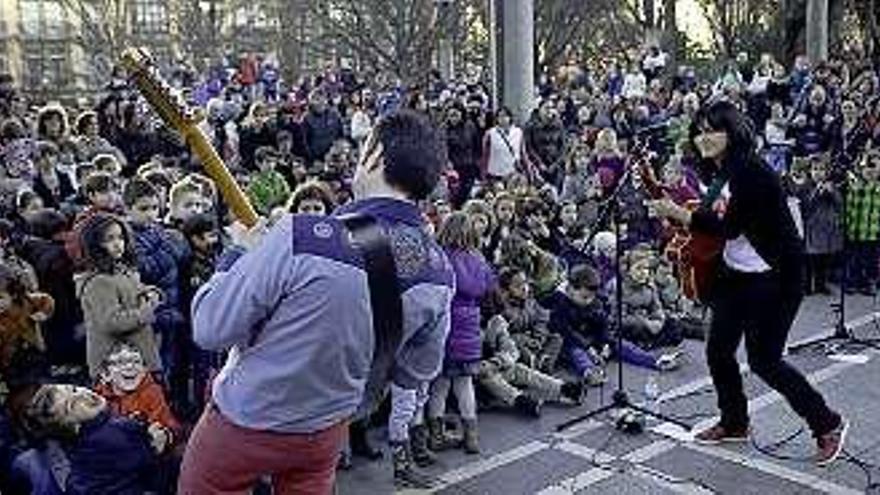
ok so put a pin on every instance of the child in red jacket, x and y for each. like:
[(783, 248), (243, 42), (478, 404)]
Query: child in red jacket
[(131, 391)]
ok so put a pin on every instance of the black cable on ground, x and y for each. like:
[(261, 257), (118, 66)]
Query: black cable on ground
[(770, 449), (867, 468)]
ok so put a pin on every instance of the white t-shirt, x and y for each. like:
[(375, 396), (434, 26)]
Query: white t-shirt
[(739, 254), (503, 158), (634, 85)]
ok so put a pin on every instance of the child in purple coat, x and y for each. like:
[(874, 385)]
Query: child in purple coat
[(474, 280)]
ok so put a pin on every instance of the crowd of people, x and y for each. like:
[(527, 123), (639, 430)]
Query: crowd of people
[(109, 228)]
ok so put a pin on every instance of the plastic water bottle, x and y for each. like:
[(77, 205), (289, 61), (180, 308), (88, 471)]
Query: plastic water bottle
[(652, 393)]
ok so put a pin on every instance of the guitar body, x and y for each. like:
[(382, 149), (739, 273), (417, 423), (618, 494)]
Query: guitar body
[(695, 256)]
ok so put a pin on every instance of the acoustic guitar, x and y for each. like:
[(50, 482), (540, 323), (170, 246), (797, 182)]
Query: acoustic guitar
[(177, 114), (695, 256)]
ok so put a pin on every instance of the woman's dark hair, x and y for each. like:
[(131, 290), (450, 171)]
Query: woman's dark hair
[(52, 111), (93, 239), (311, 190), (198, 224), (505, 111), (414, 152), (84, 120), (724, 116), (47, 223), (45, 148)]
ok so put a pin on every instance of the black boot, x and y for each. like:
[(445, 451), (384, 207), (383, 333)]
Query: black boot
[(418, 437), (574, 391), (471, 437), (360, 442), (438, 440), (527, 405), (405, 473)]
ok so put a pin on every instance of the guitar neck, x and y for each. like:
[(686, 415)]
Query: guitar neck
[(216, 170)]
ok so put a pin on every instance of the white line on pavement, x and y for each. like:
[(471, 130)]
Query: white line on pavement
[(482, 466), (756, 463)]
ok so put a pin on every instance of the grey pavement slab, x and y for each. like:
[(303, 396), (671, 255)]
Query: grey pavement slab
[(723, 476), (526, 476)]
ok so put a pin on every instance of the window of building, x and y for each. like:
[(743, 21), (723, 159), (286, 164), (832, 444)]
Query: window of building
[(150, 17), (47, 65), (44, 19)]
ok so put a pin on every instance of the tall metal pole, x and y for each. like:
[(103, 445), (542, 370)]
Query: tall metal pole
[(513, 39), (817, 30), (445, 55)]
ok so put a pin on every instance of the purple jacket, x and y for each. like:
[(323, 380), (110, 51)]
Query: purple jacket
[(474, 279)]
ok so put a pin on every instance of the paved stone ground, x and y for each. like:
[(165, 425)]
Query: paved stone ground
[(522, 456)]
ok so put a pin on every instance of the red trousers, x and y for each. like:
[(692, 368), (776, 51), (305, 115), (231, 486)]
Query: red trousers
[(222, 458)]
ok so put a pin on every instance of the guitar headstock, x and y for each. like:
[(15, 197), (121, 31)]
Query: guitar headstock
[(166, 100)]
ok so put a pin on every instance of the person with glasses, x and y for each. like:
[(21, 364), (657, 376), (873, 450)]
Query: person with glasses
[(759, 287)]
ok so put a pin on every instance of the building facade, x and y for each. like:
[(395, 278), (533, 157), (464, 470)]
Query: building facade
[(63, 49)]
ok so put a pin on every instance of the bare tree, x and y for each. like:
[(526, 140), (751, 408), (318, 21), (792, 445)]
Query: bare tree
[(743, 25), (587, 29), (103, 32), (392, 36)]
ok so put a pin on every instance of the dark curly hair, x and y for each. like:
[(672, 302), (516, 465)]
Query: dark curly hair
[(414, 151), (92, 236)]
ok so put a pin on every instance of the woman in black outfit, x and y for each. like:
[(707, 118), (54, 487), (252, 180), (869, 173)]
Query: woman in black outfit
[(759, 286)]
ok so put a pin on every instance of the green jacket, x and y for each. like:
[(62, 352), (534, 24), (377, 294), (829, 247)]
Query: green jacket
[(863, 211), (268, 190)]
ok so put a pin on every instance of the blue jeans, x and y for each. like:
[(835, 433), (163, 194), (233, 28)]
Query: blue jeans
[(581, 362)]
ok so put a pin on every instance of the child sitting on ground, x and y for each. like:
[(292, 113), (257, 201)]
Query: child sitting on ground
[(527, 322), (513, 383), (644, 320), (676, 305), (578, 316)]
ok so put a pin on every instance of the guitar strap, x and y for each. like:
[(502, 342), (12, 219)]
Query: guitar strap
[(713, 191), (385, 303)]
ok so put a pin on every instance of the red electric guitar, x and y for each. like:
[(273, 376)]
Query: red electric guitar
[(695, 256)]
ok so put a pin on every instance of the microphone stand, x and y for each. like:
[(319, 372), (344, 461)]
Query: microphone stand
[(620, 399)]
